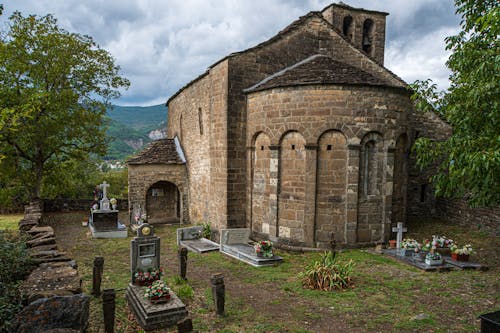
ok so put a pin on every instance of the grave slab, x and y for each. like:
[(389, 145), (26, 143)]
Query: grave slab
[(190, 238), (155, 316), (235, 243), (418, 261), (120, 231), (465, 264)]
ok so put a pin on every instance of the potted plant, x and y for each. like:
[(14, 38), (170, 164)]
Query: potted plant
[(433, 259), (409, 246), (439, 244), (264, 249), (157, 292), (142, 278), (461, 253), (113, 203)]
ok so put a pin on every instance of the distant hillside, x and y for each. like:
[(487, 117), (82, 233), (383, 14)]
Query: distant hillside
[(132, 127), (139, 116)]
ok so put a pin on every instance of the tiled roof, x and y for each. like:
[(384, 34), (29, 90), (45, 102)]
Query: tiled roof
[(163, 151), (320, 69)]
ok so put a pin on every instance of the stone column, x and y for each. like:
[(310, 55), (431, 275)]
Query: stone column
[(352, 193), (97, 275), (249, 189), (183, 255), (273, 192), (387, 181), (108, 309), (310, 195)]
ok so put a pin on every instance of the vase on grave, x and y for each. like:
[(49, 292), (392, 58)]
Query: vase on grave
[(392, 243), (160, 299), (444, 251), (460, 257)]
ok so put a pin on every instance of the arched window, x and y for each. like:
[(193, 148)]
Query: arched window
[(370, 168), (367, 41), (347, 27)]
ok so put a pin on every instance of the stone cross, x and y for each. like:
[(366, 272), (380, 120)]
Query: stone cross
[(104, 186), (399, 229)]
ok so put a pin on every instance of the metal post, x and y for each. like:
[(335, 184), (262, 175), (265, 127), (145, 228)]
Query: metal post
[(97, 276), (108, 309), (218, 292)]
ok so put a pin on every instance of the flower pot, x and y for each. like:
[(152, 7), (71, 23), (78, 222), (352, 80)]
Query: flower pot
[(460, 257), (160, 299), (260, 254), (392, 243), (433, 262)]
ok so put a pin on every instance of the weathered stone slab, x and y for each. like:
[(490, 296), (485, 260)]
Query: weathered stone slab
[(49, 247), (104, 220), (154, 316), (192, 240), (418, 261), (38, 230), (120, 231), (58, 312), (235, 243), (465, 264), (51, 279)]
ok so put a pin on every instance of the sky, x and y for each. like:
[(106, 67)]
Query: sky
[(161, 45)]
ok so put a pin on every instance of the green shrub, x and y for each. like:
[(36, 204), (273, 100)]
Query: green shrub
[(15, 265), (327, 273), (207, 231)]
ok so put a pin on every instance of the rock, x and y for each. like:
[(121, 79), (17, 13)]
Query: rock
[(420, 316), (49, 314), (57, 278), (39, 230)]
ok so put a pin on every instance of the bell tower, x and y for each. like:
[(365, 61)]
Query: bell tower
[(364, 28)]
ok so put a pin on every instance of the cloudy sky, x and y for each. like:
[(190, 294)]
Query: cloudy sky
[(163, 44)]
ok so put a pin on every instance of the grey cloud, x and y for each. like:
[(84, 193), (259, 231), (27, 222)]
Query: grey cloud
[(162, 45)]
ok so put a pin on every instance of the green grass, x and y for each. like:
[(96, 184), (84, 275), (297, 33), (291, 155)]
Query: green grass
[(10, 221), (387, 295)]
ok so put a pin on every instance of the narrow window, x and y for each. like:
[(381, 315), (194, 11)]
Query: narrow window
[(200, 120), (347, 27), (293, 147), (261, 147), (367, 41), (423, 189), (370, 168), (329, 147)]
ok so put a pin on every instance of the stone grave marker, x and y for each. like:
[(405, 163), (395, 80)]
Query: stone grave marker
[(103, 222), (399, 236), (236, 243), (191, 239), (145, 254)]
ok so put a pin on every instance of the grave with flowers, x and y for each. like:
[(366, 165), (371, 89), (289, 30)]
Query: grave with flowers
[(103, 220), (152, 302), (236, 243)]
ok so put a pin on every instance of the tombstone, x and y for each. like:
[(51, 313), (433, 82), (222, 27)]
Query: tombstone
[(236, 243), (145, 254), (137, 218), (399, 236), (191, 239), (103, 222)]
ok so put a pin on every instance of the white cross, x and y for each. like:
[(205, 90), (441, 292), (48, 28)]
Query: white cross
[(400, 229), (104, 187)]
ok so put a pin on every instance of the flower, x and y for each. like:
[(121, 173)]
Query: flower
[(436, 242), (149, 276), (264, 247), (157, 289), (465, 250), (410, 244), (113, 201), (433, 256)]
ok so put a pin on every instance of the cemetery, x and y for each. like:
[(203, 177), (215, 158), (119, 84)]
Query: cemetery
[(386, 292)]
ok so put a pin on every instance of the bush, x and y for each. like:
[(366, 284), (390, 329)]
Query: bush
[(327, 273), (207, 231), (15, 265)]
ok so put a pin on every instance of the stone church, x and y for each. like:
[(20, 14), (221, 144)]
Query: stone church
[(304, 136)]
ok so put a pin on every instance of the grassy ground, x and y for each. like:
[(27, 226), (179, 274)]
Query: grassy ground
[(387, 296), (10, 221)]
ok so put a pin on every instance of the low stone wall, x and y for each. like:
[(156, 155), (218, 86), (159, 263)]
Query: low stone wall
[(71, 205), (52, 292), (458, 212)]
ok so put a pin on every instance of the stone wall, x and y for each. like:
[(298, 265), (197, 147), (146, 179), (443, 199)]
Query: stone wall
[(198, 116), (421, 200), (333, 148), (142, 177), (458, 212)]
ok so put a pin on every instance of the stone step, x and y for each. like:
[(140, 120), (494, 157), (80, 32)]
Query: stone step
[(38, 230), (41, 241), (49, 247)]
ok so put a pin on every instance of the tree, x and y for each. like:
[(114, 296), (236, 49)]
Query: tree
[(468, 161), (54, 90)]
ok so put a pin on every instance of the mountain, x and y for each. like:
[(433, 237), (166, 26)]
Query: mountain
[(131, 127)]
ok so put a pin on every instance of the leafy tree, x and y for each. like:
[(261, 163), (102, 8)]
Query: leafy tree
[(468, 161), (54, 90)]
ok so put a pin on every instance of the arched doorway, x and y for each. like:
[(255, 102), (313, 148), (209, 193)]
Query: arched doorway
[(163, 204)]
